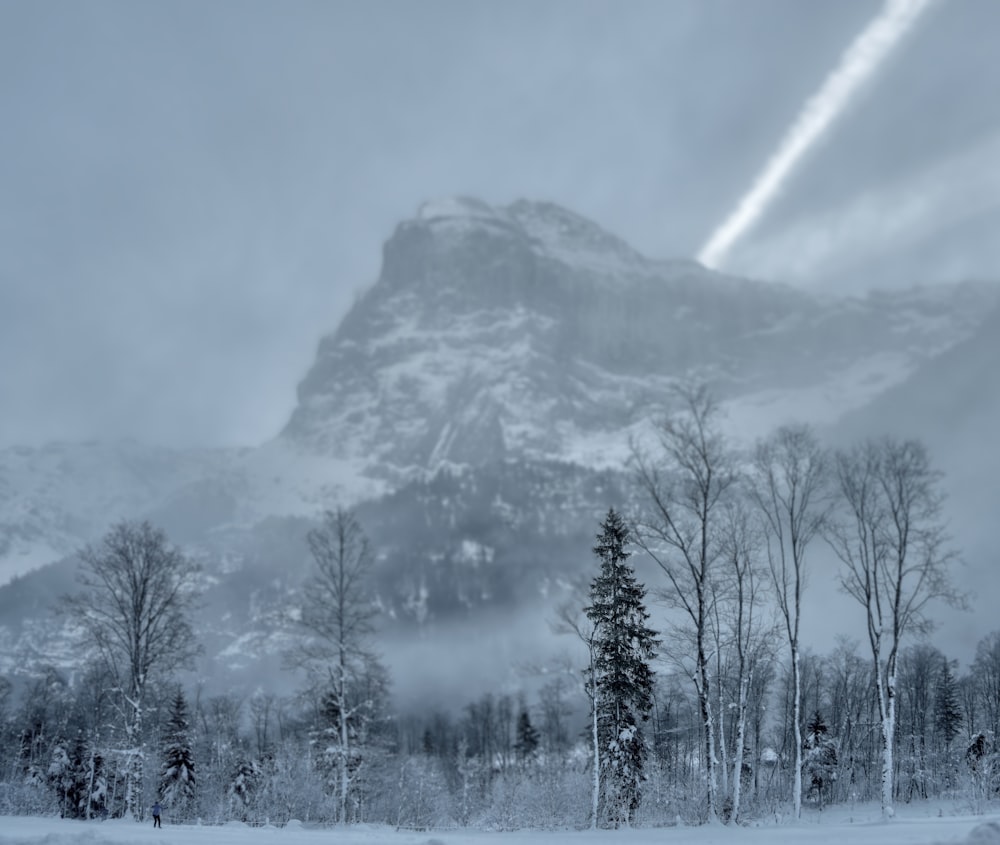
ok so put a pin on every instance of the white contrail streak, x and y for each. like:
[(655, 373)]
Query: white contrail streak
[(857, 65), (884, 219)]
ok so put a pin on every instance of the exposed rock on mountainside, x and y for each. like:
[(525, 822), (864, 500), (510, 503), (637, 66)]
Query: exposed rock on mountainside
[(528, 332)]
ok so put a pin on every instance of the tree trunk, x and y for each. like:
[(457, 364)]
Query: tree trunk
[(888, 702), (741, 723), (704, 701), (90, 780), (797, 733), (344, 742), (134, 765), (596, 798), (723, 751)]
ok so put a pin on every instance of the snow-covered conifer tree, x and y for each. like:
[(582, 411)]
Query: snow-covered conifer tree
[(65, 779), (243, 787), (947, 718), (177, 778), (621, 677), (947, 708), (96, 780), (819, 761)]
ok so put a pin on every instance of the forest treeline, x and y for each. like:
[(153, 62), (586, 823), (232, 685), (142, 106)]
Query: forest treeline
[(711, 709)]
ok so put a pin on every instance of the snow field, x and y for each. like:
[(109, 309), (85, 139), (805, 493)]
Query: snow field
[(923, 824)]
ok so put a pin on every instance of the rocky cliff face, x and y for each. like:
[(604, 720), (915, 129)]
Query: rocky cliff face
[(527, 332)]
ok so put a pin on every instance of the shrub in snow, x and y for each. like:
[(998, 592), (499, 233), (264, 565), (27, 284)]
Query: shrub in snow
[(423, 801)]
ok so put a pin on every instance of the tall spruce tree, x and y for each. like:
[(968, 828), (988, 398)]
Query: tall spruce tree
[(948, 721), (67, 777), (947, 709), (621, 678), (177, 779)]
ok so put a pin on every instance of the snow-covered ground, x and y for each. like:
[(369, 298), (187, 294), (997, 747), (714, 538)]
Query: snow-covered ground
[(914, 825)]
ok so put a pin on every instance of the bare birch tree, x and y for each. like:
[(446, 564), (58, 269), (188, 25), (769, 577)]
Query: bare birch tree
[(894, 548), (338, 613), (789, 487), (749, 629), (685, 487), (137, 594)]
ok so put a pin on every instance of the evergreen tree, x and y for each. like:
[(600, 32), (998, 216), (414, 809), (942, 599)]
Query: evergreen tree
[(947, 708), (67, 776), (243, 785), (177, 780), (621, 677), (96, 780), (819, 762), (527, 736)]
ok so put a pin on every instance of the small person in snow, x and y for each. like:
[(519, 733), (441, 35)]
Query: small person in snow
[(156, 815)]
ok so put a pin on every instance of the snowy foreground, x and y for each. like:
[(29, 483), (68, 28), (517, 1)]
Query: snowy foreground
[(915, 825)]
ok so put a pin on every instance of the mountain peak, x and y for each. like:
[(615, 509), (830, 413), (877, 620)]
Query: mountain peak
[(542, 230), (458, 208)]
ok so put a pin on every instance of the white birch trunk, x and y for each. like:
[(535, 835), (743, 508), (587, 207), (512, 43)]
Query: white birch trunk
[(741, 725), (90, 781), (596, 799), (704, 695), (713, 789), (344, 743), (797, 733), (134, 764), (888, 733), (723, 751)]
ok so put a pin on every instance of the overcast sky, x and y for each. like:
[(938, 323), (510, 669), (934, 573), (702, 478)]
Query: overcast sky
[(192, 193)]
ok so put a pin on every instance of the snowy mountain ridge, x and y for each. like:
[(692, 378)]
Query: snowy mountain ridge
[(527, 332), (519, 333), (481, 395)]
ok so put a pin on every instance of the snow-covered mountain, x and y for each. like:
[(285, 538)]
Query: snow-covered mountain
[(476, 406), (527, 332)]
